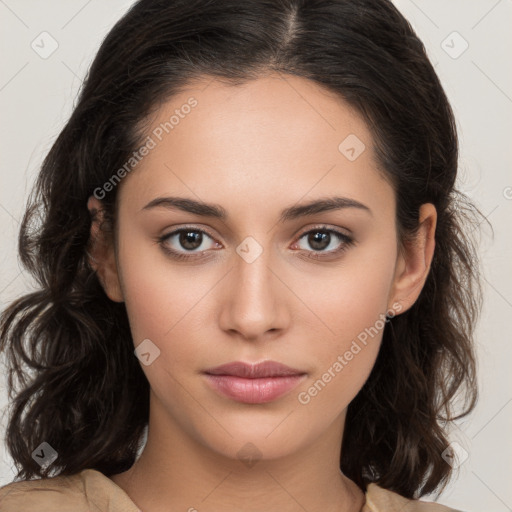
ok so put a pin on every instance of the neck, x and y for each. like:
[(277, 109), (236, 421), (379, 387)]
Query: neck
[(176, 472)]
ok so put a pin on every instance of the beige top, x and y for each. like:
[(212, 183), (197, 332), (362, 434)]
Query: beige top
[(90, 490)]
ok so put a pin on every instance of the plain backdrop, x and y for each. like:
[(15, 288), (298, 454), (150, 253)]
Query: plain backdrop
[(469, 42)]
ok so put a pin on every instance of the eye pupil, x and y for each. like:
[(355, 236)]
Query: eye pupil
[(190, 239)]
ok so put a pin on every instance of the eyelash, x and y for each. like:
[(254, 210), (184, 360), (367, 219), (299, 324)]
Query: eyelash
[(345, 239)]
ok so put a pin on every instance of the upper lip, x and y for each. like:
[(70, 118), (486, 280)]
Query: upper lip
[(254, 371)]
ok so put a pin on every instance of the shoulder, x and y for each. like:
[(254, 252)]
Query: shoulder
[(383, 500), (57, 494), (82, 492)]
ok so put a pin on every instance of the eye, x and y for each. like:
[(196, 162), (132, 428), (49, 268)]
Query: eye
[(190, 242), (323, 240), (186, 242)]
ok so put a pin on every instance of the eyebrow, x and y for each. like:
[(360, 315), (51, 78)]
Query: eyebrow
[(294, 212)]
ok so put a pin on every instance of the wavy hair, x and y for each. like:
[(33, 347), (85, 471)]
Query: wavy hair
[(73, 379)]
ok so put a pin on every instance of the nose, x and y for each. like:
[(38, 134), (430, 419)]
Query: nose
[(254, 297)]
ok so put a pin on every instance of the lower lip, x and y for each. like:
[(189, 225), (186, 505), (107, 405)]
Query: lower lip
[(254, 391)]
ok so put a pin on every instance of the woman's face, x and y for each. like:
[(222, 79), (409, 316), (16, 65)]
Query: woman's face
[(270, 280)]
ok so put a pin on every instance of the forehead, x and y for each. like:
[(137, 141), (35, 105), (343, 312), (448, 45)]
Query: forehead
[(278, 138)]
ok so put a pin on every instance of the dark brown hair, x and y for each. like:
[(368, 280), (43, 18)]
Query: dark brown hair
[(87, 395)]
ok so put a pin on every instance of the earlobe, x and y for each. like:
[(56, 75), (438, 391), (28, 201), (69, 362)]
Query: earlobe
[(413, 263), (101, 253)]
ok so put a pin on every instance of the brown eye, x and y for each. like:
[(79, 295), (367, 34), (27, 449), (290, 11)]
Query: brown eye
[(186, 243), (325, 240), (190, 240)]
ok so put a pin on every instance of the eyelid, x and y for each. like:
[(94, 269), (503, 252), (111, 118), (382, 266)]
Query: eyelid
[(177, 229), (326, 227)]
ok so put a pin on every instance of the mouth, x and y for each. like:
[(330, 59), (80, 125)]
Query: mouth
[(254, 383)]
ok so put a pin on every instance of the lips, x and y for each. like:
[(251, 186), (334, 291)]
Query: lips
[(254, 371), (253, 383)]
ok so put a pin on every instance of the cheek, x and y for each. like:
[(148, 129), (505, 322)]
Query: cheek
[(351, 298), (155, 298), (351, 305), (345, 357), (164, 302)]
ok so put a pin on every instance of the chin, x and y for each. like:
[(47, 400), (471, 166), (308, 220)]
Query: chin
[(250, 440)]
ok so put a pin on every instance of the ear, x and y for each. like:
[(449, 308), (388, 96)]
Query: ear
[(101, 253), (413, 262)]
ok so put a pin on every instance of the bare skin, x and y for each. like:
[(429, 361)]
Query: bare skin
[(255, 150)]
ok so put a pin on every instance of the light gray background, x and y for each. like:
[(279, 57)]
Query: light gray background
[(37, 95)]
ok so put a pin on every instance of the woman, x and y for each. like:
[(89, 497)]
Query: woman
[(249, 243)]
